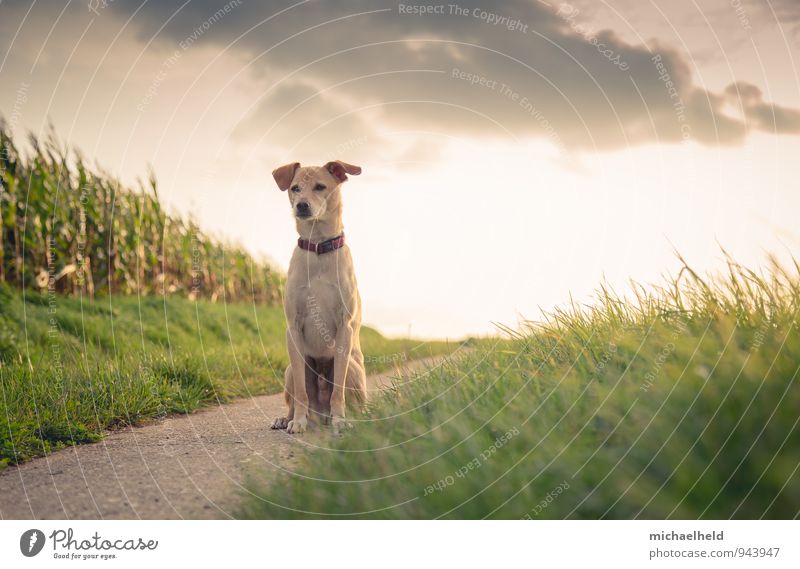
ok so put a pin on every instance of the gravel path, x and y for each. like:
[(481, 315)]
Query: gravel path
[(184, 466)]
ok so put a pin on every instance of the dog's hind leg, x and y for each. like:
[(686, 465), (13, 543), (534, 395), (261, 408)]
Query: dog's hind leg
[(356, 383), (342, 362), (288, 393)]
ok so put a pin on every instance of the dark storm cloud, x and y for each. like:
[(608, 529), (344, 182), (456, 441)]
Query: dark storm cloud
[(507, 69)]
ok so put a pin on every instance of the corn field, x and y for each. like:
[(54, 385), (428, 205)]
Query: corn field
[(72, 229)]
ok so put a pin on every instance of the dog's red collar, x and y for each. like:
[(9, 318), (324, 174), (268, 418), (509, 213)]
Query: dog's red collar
[(324, 247)]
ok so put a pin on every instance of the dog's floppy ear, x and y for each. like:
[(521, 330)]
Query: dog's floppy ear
[(340, 170), (285, 174)]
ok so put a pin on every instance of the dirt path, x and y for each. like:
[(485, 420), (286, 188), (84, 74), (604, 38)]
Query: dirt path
[(186, 466)]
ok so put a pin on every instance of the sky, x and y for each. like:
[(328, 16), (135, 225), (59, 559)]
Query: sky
[(515, 154)]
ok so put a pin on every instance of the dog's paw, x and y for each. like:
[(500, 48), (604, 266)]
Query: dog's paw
[(297, 426), (340, 424), (280, 423)]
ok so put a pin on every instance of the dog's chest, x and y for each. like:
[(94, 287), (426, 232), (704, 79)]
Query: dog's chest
[(319, 298), (319, 313)]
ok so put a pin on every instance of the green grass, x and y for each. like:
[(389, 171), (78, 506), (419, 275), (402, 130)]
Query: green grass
[(70, 369), (680, 403)]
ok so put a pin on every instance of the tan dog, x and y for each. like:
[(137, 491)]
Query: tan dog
[(322, 304)]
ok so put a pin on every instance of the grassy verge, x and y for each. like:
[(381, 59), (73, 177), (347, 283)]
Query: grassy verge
[(681, 403), (71, 369)]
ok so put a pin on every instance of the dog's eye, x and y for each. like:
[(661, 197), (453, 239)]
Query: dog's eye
[(295, 189), (319, 187)]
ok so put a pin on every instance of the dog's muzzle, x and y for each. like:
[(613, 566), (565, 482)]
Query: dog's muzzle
[(303, 209)]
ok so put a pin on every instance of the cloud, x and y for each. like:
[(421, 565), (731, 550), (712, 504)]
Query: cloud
[(761, 115), (786, 13), (300, 112), (785, 10), (509, 70)]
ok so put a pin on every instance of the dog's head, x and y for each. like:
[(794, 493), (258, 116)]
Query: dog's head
[(313, 190)]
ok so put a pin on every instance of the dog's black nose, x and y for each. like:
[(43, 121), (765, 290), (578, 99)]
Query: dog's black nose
[(303, 209)]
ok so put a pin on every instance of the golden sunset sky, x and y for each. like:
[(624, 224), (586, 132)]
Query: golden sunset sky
[(514, 153)]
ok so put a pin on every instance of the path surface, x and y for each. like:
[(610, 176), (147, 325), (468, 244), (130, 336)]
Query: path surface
[(185, 466)]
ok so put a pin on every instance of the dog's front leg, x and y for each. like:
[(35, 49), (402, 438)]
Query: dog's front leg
[(341, 361), (299, 420)]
